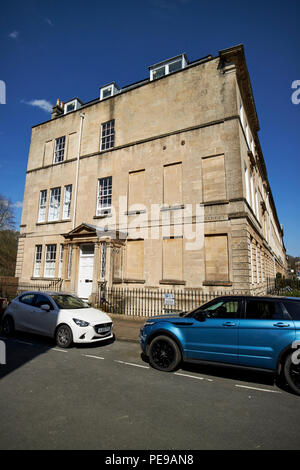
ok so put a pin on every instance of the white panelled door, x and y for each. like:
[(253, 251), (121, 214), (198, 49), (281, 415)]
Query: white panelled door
[(85, 275)]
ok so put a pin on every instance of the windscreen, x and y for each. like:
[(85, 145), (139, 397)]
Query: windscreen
[(68, 301)]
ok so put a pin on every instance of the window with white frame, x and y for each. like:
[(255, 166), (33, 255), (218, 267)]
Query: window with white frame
[(54, 205), (70, 261), (252, 146), (108, 90), (247, 184), (61, 257), (107, 135), (67, 202), (42, 206), (167, 67), (37, 261), (72, 105), (242, 113), (59, 149), (252, 192), (257, 204), (247, 132), (104, 196), (50, 261)]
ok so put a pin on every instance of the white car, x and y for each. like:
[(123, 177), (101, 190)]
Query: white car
[(62, 316)]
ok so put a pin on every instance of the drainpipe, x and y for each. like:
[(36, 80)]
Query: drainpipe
[(77, 171)]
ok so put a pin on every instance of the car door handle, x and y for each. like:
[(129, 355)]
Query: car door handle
[(281, 325), (229, 323)]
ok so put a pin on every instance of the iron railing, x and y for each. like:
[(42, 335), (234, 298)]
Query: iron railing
[(151, 302), (147, 302), (11, 290)]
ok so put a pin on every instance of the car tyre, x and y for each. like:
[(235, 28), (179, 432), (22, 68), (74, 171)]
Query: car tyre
[(8, 326), (164, 354), (64, 336), (291, 372)]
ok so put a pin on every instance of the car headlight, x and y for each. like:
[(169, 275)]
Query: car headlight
[(149, 323), (80, 322)]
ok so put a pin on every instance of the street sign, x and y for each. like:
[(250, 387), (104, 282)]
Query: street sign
[(169, 299)]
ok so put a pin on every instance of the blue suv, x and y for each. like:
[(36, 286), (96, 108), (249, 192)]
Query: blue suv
[(241, 331)]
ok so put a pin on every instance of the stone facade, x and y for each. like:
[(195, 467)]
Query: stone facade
[(184, 158)]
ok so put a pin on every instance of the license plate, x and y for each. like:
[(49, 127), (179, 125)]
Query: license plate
[(103, 330)]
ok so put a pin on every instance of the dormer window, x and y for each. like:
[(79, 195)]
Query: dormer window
[(108, 90), (72, 105), (168, 66)]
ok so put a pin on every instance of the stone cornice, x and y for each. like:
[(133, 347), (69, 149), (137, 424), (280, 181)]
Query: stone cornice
[(236, 56)]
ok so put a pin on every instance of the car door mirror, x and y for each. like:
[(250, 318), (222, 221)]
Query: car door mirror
[(200, 316), (45, 307)]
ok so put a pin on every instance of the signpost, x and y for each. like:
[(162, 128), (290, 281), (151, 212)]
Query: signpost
[(170, 299)]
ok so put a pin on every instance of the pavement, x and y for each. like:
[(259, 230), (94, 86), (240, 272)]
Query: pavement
[(127, 328)]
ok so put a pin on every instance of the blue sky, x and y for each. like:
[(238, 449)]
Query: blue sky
[(62, 49)]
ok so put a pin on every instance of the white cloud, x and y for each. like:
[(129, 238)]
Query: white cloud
[(18, 204), (42, 104), (50, 22), (14, 34)]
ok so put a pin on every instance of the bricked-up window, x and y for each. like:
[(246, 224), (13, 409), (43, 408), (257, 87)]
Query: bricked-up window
[(216, 258), (104, 196), (54, 205), (173, 184), (67, 202), (37, 261), (59, 149), (213, 177), (173, 258), (107, 135), (42, 206), (135, 260), (50, 261), (136, 190)]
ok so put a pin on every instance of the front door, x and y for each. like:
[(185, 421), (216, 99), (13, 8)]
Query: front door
[(85, 275)]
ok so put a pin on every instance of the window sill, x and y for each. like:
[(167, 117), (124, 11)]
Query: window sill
[(217, 283), (215, 203), (137, 212), (103, 216), (176, 207), (45, 278), (172, 282), (134, 281), (53, 222)]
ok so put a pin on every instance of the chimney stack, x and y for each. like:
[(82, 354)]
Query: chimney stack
[(58, 109)]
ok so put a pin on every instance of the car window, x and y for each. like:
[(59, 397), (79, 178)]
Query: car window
[(42, 300), (293, 308), (68, 301), (223, 309), (27, 299), (263, 310)]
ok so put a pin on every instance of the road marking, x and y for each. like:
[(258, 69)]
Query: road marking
[(131, 364), (59, 350), (259, 389), (192, 376), (94, 357)]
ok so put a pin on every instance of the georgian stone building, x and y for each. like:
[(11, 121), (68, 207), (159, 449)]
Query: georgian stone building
[(117, 188)]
